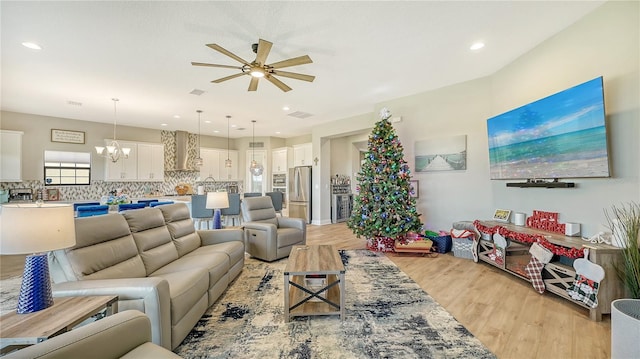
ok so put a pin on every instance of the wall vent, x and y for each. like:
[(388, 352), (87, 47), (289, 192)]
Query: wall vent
[(256, 144), (196, 92)]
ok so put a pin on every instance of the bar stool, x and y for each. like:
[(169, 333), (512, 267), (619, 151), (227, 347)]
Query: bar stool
[(233, 212), (199, 212), (277, 199)]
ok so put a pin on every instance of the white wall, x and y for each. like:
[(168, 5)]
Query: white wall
[(604, 43)]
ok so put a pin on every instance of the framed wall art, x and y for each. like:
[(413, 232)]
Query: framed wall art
[(67, 136), (441, 154), (414, 190)]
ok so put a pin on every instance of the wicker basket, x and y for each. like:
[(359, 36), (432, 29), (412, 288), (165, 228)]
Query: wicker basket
[(462, 248), (442, 243)]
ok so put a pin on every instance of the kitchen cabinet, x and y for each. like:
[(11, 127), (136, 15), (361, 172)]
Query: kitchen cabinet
[(210, 163), (227, 173), (11, 156), (213, 164), (302, 155), (150, 162), (281, 159), (125, 169)]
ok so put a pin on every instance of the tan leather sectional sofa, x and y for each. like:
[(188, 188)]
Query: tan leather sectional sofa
[(155, 261)]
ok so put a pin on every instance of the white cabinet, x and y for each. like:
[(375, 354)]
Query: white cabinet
[(210, 163), (150, 162), (227, 173), (280, 159), (125, 169), (213, 164), (10, 156), (145, 163), (302, 155)]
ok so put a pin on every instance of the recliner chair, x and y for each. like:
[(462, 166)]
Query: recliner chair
[(267, 236)]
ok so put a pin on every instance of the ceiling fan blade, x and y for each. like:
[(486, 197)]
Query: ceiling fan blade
[(253, 85), (294, 75), (281, 85), (301, 60), (264, 47), (215, 65), (228, 78), (228, 53)]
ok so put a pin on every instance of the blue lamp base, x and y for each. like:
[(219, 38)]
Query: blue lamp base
[(217, 223), (35, 291)]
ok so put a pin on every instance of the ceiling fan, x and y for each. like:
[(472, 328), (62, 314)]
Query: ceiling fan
[(258, 68)]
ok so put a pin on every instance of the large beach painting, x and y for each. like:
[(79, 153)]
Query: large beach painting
[(441, 154), (560, 136)]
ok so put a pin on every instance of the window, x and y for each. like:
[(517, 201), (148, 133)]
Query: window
[(67, 168)]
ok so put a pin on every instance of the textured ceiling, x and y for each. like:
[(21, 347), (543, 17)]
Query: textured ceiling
[(363, 53)]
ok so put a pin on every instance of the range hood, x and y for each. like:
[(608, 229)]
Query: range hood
[(182, 152)]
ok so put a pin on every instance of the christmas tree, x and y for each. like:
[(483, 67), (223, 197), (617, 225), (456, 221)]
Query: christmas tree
[(384, 209)]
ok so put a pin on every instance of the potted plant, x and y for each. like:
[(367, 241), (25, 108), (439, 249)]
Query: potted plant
[(624, 223)]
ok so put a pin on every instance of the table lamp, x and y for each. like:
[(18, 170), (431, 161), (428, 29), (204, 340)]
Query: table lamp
[(215, 201), (34, 229)]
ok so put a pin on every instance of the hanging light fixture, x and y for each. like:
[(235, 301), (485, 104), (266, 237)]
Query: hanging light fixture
[(114, 151), (227, 162), (198, 161), (255, 168)]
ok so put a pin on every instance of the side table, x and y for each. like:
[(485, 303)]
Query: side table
[(20, 330)]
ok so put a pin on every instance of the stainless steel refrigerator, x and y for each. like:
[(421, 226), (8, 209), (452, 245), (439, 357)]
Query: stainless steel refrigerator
[(300, 193)]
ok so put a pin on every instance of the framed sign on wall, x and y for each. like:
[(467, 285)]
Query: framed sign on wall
[(67, 136)]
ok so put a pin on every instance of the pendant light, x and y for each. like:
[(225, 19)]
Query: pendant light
[(114, 151), (255, 168), (198, 161), (227, 162)]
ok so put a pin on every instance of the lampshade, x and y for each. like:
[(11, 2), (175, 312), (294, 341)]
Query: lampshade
[(217, 200), (31, 228), (35, 228)]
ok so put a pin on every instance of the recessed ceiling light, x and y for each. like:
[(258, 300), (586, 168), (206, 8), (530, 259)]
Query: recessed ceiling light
[(216, 131), (477, 46), (207, 121), (234, 126), (31, 45), (285, 108), (277, 132), (176, 116), (163, 124)]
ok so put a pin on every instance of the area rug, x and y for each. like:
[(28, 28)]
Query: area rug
[(387, 316)]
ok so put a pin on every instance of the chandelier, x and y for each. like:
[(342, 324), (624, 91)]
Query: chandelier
[(255, 168), (114, 151), (198, 161), (227, 162)]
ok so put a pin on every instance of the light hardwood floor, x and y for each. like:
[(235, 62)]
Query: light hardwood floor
[(503, 311)]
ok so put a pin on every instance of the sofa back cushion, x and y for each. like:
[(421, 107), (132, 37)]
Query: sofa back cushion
[(258, 209), (151, 237), (181, 228), (104, 249)]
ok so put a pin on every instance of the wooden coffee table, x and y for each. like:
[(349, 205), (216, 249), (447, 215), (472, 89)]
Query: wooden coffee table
[(319, 261)]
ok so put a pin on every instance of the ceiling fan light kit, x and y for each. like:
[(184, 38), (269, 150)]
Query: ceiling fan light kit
[(258, 68)]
